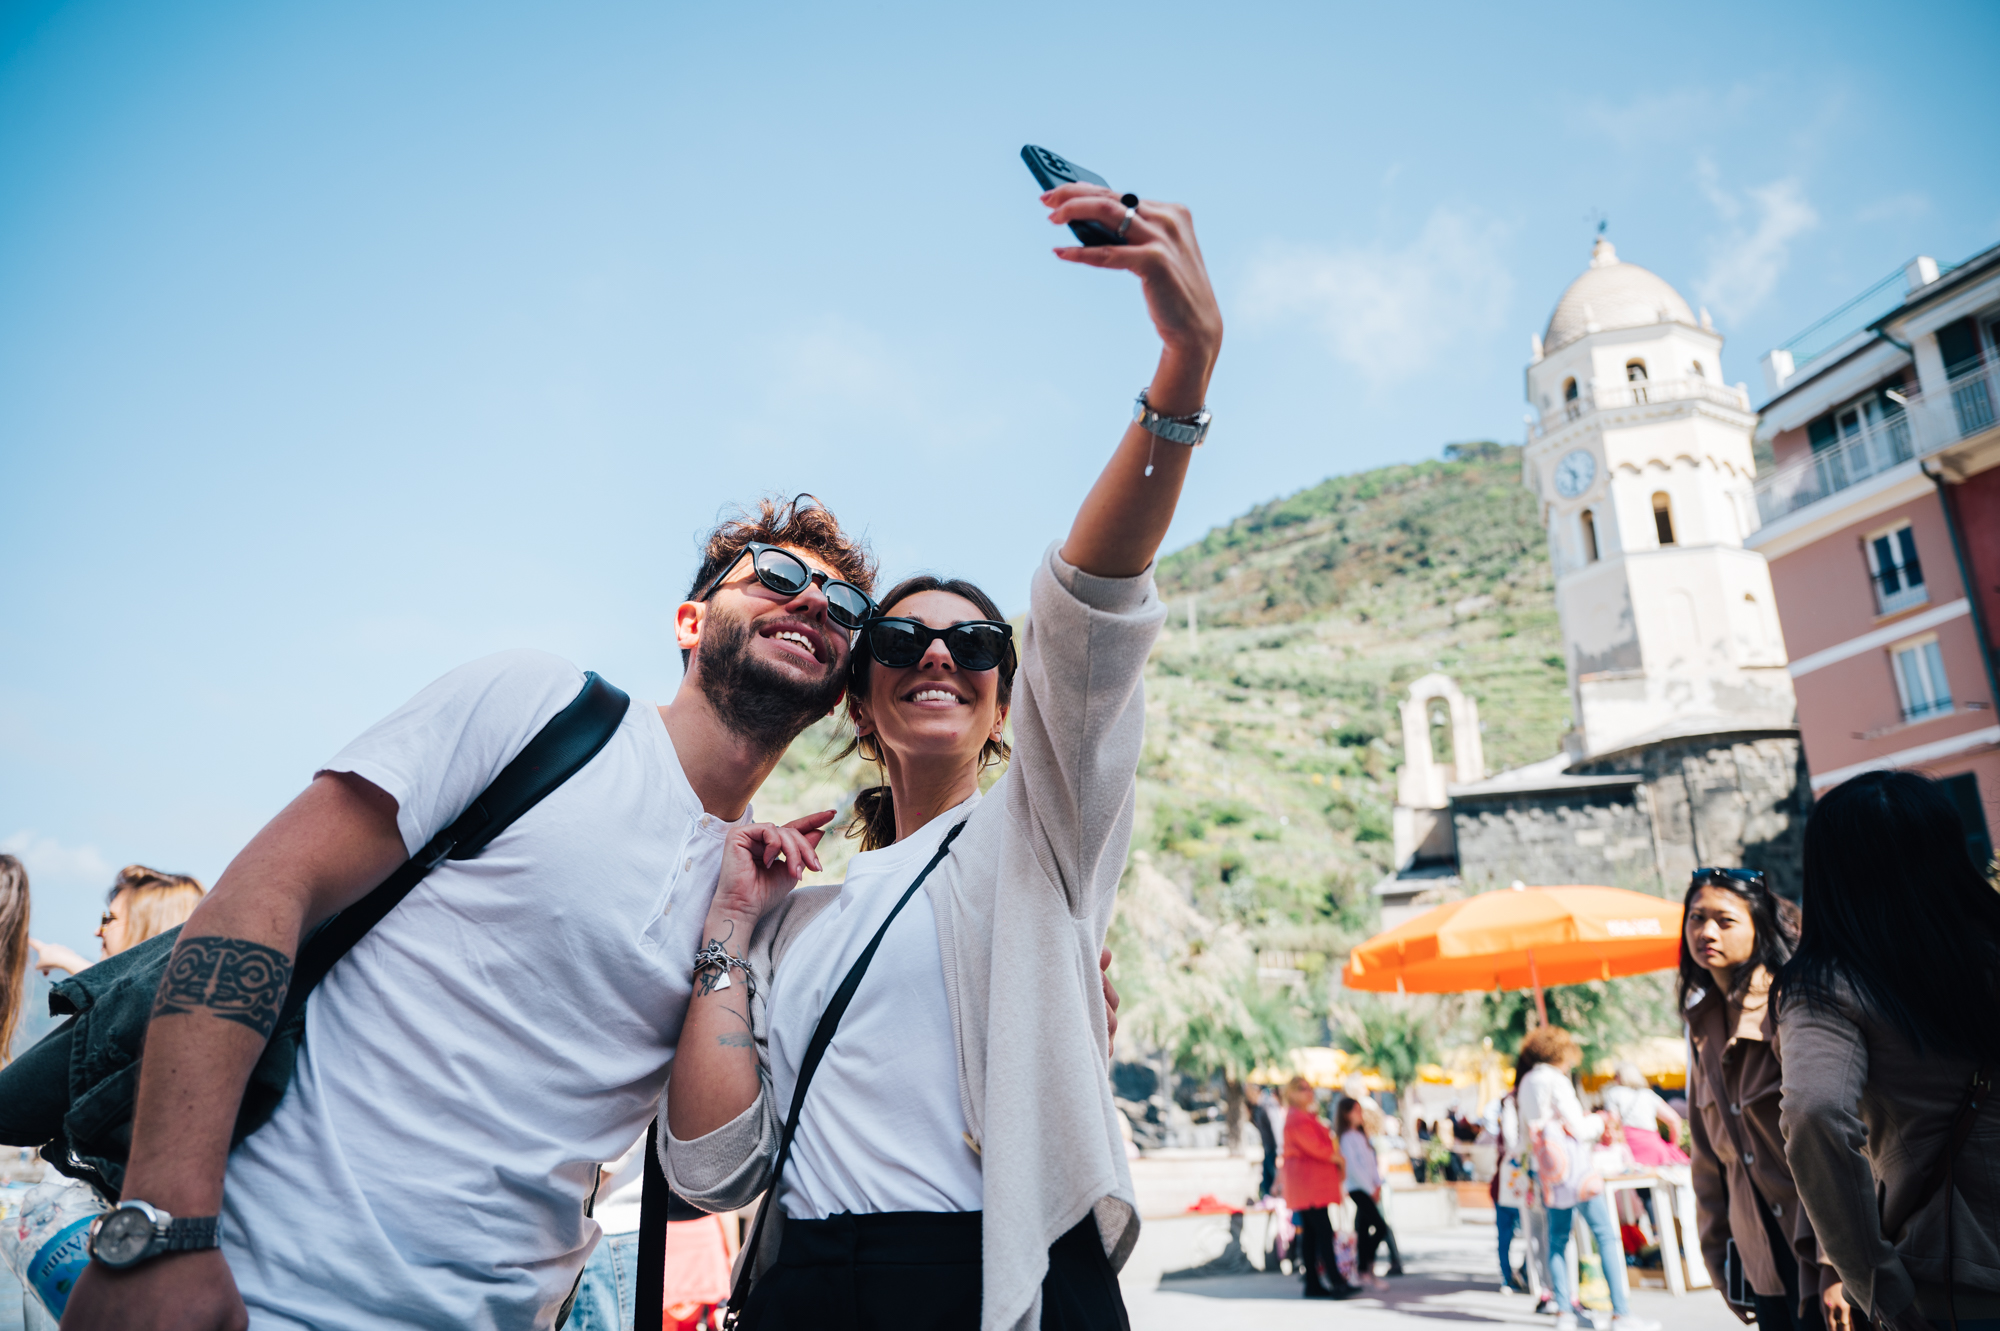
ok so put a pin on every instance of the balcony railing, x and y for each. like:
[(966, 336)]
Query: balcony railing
[(1929, 423), (1640, 393), (1878, 446)]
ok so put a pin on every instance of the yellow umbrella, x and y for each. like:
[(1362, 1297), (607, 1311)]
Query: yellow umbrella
[(1521, 938)]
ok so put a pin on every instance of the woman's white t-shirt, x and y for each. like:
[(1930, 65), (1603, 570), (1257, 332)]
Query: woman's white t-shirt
[(883, 1128), (1636, 1106)]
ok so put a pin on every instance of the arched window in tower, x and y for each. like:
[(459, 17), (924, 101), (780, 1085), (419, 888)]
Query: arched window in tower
[(1569, 398), (1699, 373), (1663, 517), (1635, 375), (1589, 521)]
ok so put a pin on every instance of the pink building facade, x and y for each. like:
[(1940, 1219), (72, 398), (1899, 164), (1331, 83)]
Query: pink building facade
[(1881, 521)]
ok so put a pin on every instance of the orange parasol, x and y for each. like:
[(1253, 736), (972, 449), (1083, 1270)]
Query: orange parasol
[(1521, 938)]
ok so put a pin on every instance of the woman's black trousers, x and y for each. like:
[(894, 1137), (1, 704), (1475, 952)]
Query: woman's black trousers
[(919, 1271)]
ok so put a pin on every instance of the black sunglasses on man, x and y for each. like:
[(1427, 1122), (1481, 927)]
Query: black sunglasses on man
[(788, 575)]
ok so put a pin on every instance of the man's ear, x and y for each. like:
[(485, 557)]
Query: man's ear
[(837, 701), (687, 624)]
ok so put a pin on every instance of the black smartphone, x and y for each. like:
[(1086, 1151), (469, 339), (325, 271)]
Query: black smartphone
[(1735, 1286), (1052, 171)]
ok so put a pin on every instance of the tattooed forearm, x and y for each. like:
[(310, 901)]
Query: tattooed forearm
[(231, 978)]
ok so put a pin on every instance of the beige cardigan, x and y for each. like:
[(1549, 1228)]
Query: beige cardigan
[(1022, 904)]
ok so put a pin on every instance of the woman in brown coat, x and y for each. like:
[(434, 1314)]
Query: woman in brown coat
[(1735, 936), (1888, 1019)]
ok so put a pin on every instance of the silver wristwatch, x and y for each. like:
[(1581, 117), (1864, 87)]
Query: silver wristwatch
[(134, 1232), (1190, 430)]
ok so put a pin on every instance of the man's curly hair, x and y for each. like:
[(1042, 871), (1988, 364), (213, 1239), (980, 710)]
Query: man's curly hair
[(801, 522)]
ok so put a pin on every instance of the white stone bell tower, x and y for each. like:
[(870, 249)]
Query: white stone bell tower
[(1640, 454)]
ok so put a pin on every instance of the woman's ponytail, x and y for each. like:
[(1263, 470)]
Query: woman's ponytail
[(874, 818)]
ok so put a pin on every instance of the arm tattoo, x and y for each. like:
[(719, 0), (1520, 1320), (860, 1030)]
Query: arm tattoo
[(232, 978)]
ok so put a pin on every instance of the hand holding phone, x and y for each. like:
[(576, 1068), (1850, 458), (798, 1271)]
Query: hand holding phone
[(1051, 171)]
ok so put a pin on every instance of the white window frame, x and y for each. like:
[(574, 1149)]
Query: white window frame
[(1921, 686), (1909, 594)]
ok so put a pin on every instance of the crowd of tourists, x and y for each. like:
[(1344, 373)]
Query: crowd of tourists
[(1844, 1169), (1844, 1165)]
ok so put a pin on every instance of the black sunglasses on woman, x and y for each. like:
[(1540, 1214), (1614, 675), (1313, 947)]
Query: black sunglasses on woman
[(975, 644), (788, 575)]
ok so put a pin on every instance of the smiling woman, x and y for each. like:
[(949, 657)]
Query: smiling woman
[(913, 712)]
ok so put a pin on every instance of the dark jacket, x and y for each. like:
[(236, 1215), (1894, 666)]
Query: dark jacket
[(1739, 1151), (1866, 1118)]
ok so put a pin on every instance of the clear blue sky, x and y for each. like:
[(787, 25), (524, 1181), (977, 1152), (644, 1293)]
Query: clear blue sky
[(341, 343)]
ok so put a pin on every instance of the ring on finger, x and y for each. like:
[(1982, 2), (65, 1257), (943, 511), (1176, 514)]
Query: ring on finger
[(1126, 224)]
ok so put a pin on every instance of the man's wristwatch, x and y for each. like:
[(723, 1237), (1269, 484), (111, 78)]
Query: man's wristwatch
[(134, 1232), (1190, 430)]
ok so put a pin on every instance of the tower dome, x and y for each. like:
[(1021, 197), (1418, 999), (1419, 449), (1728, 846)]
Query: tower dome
[(1613, 294)]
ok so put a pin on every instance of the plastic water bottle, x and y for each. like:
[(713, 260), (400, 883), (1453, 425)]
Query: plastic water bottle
[(44, 1237)]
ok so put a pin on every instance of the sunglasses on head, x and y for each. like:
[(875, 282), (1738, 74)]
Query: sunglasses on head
[(1727, 875), (975, 644), (785, 573)]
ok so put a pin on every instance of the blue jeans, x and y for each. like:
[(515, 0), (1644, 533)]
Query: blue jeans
[(1508, 1219), (604, 1302), (1597, 1214)]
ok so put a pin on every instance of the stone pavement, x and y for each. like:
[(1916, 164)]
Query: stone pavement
[(1453, 1278)]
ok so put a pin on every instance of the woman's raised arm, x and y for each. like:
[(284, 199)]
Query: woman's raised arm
[(1125, 516)]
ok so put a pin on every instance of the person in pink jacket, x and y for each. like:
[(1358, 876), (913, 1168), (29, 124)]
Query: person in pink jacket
[(1314, 1178)]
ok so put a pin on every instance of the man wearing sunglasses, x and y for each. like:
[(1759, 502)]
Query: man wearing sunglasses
[(511, 1021)]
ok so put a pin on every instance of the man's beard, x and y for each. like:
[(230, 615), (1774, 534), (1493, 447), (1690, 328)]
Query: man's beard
[(755, 699)]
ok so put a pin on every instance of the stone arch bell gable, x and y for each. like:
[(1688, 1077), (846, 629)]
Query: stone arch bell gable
[(1423, 780)]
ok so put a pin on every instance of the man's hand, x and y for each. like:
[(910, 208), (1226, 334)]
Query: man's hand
[(761, 863), (1110, 998), (1834, 1310), (190, 1291)]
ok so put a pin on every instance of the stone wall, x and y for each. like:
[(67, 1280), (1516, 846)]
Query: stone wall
[(1734, 800), (1596, 835), (1739, 799)]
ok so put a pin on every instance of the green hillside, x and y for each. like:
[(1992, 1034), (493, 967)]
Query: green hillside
[(1273, 736)]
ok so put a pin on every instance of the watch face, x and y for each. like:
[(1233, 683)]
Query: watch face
[(1575, 473), (122, 1237)]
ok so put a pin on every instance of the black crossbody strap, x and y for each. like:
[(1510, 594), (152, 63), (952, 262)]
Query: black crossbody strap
[(559, 749), (829, 1022)]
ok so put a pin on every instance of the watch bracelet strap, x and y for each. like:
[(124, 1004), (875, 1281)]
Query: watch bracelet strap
[(1191, 429), (193, 1233)]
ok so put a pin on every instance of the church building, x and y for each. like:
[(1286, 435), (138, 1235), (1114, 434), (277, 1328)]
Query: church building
[(1684, 747)]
